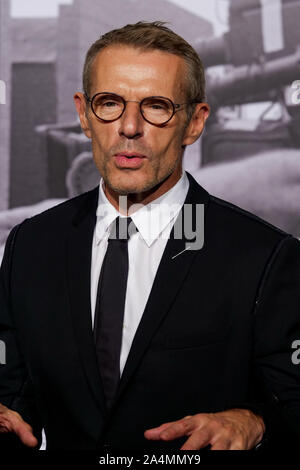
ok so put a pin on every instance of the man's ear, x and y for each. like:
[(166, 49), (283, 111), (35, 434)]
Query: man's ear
[(81, 107), (196, 124)]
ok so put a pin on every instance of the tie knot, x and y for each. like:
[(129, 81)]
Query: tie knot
[(122, 229)]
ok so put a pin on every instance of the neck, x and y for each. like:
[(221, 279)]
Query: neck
[(127, 206)]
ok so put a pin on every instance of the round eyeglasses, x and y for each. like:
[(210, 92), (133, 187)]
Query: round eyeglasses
[(156, 110)]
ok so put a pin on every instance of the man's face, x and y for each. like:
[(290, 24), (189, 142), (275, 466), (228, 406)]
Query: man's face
[(136, 74)]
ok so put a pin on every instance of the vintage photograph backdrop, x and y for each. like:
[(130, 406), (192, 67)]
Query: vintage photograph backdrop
[(249, 153)]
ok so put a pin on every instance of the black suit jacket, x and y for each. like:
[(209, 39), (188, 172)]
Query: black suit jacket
[(216, 332)]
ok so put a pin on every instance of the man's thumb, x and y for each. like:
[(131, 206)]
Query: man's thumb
[(25, 434)]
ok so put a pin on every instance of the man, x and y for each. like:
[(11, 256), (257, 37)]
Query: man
[(205, 353)]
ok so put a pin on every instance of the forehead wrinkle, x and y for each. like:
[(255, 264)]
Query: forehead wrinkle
[(146, 73), (135, 82)]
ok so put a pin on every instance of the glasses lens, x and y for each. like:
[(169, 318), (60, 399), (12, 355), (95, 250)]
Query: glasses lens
[(157, 110), (107, 106)]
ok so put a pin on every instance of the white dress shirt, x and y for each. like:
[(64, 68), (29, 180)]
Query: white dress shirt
[(154, 222)]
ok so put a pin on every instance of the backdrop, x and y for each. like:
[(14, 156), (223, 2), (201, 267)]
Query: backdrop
[(249, 153)]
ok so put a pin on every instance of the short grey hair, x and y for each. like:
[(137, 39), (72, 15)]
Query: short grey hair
[(153, 35)]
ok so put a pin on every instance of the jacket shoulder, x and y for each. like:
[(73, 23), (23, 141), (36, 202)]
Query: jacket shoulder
[(65, 212), (243, 218), (230, 219)]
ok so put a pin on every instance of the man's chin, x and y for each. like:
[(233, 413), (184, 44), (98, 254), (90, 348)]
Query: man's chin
[(123, 188)]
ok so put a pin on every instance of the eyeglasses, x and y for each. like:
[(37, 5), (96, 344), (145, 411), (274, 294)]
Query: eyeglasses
[(156, 110)]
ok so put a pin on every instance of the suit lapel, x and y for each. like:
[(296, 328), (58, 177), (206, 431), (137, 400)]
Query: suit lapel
[(79, 251), (172, 271)]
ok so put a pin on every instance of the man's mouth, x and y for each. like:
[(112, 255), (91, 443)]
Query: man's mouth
[(129, 159)]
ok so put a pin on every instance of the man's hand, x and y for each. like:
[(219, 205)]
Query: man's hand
[(11, 421), (235, 429)]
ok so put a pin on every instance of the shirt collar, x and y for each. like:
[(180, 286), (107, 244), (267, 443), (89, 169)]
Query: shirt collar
[(151, 219)]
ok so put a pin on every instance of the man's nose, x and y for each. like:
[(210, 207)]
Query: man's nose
[(131, 121)]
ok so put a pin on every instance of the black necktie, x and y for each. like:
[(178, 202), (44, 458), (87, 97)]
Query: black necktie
[(110, 304)]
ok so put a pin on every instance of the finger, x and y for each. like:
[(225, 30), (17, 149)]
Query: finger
[(165, 430), (154, 433), (25, 434), (199, 439), (183, 427), (16, 424)]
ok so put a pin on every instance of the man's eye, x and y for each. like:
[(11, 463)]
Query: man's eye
[(109, 104), (157, 106)]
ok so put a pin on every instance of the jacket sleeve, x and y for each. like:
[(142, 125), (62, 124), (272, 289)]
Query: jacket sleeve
[(16, 389), (276, 332)]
